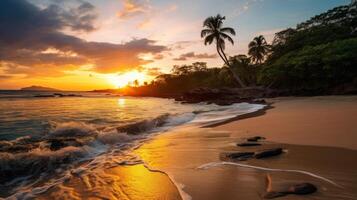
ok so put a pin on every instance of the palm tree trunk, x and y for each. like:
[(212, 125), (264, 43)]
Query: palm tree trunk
[(224, 58)]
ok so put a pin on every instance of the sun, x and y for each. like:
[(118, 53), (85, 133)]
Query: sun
[(127, 78)]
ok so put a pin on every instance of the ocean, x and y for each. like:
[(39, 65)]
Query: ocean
[(45, 138)]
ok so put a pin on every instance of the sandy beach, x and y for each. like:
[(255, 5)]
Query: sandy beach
[(318, 135), (320, 121)]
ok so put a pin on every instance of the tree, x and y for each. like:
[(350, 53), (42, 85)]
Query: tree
[(214, 32), (136, 83), (242, 65), (258, 48)]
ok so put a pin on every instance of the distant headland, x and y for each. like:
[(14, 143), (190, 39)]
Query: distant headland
[(39, 88)]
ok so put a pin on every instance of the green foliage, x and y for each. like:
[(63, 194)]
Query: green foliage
[(317, 56), (258, 49), (184, 78), (242, 65), (315, 68)]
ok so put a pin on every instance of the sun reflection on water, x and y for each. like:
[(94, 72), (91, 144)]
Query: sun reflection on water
[(121, 102)]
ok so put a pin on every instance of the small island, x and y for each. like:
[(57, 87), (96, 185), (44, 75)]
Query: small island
[(39, 88)]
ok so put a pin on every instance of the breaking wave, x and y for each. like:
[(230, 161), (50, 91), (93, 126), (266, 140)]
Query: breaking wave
[(65, 146)]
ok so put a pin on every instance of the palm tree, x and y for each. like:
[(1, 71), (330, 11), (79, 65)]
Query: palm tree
[(214, 32), (258, 48)]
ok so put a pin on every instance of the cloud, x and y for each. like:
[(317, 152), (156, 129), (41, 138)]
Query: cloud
[(132, 8), (32, 40), (184, 44), (195, 56), (154, 71), (143, 11), (158, 56), (5, 77)]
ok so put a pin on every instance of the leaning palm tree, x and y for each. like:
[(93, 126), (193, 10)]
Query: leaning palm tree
[(258, 48), (214, 32)]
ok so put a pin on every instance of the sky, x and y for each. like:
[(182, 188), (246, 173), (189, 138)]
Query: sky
[(99, 44)]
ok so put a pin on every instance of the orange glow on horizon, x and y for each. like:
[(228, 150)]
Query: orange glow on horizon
[(127, 78)]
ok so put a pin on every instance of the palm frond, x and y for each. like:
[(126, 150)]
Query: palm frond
[(227, 37), (205, 32), (209, 39), (228, 30)]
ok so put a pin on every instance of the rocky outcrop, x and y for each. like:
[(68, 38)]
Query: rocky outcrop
[(226, 96)]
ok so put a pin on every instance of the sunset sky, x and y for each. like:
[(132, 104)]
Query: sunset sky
[(97, 44)]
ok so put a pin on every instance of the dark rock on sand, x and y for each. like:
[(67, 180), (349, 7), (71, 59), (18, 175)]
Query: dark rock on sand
[(240, 155), (224, 96), (273, 195), (255, 139), (268, 153), (302, 189), (298, 189), (248, 144)]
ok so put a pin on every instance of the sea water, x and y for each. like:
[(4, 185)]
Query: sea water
[(45, 138)]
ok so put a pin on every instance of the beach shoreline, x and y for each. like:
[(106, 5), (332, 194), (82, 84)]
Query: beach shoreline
[(185, 153), (317, 121)]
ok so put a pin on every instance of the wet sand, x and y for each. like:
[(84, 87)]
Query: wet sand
[(318, 135)]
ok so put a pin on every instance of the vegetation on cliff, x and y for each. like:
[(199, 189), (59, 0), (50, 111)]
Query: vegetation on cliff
[(316, 57)]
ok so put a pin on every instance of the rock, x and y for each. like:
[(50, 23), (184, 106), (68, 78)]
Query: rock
[(44, 95), (255, 139), (258, 101), (224, 96), (303, 189), (273, 195), (268, 153), (240, 155), (248, 144), (298, 189)]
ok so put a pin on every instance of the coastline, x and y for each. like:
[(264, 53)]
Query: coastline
[(189, 162), (319, 121), (182, 153)]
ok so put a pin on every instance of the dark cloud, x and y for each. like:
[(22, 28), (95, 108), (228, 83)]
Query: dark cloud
[(32, 39), (193, 55)]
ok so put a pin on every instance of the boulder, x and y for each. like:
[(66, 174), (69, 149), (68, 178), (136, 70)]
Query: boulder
[(303, 189), (255, 139), (268, 153), (298, 189), (248, 144), (240, 155)]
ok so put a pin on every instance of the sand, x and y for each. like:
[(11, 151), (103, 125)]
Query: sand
[(318, 135), (321, 121)]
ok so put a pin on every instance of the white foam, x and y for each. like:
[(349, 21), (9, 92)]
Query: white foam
[(216, 164), (179, 186), (223, 113)]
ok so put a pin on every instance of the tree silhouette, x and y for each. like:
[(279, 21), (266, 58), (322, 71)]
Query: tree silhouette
[(136, 83), (214, 32), (258, 48)]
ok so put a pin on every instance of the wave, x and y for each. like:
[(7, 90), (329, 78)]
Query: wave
[(66, 146)]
